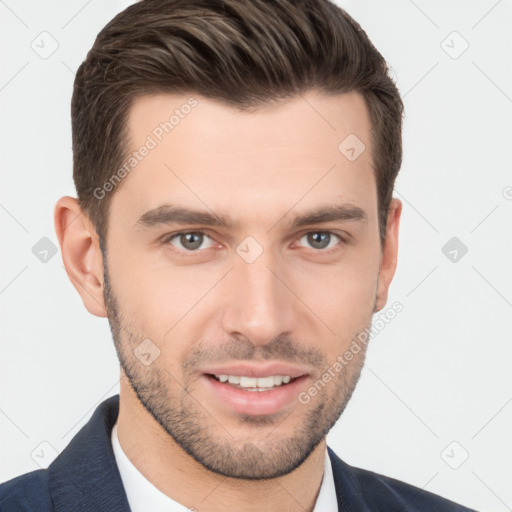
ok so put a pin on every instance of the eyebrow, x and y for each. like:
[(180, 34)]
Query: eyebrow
[(173, 214)]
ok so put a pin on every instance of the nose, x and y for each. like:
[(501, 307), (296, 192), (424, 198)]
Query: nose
[(259, 302)]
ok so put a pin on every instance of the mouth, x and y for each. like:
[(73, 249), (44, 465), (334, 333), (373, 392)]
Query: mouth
[(254, 389), (254, 383)]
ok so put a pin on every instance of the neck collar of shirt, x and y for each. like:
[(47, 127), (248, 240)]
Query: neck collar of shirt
[(143, 495)]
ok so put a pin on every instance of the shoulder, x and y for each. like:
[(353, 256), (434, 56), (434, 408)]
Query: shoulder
[(381, 492), (400, 494), (26, 493)]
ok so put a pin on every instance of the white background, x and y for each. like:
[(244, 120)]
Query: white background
[(438, 373)]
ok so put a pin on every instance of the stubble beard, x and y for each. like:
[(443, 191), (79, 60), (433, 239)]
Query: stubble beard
[(193, 428)]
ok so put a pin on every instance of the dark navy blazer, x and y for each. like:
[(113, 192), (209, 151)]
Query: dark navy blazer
[(85, 478)]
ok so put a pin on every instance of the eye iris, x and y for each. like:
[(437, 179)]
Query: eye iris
[(319, 240), (191, 241)]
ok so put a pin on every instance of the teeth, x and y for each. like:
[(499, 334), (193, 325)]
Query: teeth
[(249, 382), (261, 382), (255, 382)]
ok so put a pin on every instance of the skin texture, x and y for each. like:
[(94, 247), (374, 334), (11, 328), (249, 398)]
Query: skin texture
[(296, 303)]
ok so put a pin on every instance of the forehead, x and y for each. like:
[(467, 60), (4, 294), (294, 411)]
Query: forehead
[(203, 153)]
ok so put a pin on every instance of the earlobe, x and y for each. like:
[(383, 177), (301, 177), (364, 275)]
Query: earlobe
[(81, 253), (389, 254)]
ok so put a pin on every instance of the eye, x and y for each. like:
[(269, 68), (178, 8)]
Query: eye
[(194, 241), (321, 239), (190, 241)]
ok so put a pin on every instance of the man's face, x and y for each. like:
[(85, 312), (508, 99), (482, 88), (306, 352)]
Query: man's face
[(260, 295)]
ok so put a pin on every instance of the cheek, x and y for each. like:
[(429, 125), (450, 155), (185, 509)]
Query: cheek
[(160, 300), (342, 300), (342, 294)]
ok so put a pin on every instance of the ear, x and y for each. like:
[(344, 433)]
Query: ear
[(389, 254), (81, 254)]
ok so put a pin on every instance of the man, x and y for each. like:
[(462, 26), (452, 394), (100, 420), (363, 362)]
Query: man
[(234, 164)]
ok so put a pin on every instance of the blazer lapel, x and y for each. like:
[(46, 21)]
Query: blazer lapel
[(348, 490), (84, 477)]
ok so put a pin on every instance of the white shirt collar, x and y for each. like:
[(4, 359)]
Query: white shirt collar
[(143, 495)]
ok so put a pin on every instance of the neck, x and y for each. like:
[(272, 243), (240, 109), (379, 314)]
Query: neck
[(170, 469)]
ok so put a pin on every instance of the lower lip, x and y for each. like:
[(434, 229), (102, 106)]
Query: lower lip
[(256, 402)]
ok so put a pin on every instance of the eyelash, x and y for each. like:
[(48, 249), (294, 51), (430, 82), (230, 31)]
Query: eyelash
[(167, 239)]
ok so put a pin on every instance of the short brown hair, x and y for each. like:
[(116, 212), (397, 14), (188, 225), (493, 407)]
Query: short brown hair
[(244, 53)]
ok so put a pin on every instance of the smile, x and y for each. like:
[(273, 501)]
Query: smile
[(254, 383)]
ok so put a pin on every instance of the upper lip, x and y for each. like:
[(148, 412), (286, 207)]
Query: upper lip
[(258, 370)]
